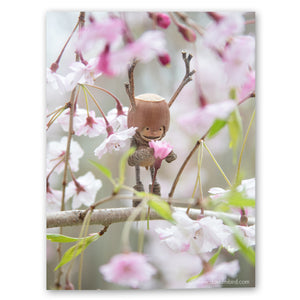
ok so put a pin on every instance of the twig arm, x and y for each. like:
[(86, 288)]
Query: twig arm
[(130, 86), (187, 77)]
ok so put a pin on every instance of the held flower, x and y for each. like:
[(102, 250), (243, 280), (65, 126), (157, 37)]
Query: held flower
[(83, 190), (161, 151), (129, 269)]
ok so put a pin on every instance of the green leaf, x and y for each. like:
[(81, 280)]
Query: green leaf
[(75, 250), (123, 163), (214, 258), (235, 131), (105, 171), (59, 238), (216, 127), (162, 208), (248, 252)]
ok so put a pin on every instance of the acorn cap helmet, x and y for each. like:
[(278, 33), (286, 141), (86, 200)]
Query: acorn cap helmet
[(150, 110)]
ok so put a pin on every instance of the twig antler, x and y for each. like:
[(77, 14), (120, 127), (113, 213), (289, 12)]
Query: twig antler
[(130, 86), (187, 77)]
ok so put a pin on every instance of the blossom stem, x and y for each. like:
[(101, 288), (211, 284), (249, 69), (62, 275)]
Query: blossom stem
[(218, 166), (108, 126), (243, 147), (190, 22), (198, 179), (119, 105), (55, 65), (86, 101)]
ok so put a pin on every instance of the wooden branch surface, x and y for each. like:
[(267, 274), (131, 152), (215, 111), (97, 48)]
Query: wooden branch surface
[(109, 216)]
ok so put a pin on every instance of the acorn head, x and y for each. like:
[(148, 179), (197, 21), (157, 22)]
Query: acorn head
[(151, 116)]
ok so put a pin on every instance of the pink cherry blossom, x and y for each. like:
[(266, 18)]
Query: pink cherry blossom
[(108, 31), (91, 126), (247, 233), (84, 190), (188, 34), (79, 117), (53, 198), (218, 33), (150, 44), (115, 141), (247, 187), (238, 56), (129, 269), (217, 276), (161, 149), (198, 236), (248, 87), (55, 154), (203, 117), (59, 82), (118, 122), (83, 73)]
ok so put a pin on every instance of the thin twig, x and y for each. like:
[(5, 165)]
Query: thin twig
[(187, 77)]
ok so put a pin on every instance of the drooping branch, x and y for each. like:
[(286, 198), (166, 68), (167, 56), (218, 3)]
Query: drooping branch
[(109, 216), (187, 77)]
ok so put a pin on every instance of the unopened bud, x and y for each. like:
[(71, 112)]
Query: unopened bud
[(188, 34), (164, 59), (162, 20), (54, 67)]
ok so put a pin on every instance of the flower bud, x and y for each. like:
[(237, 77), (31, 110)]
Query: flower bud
[(164, 59), (162, 20), (188, 34)]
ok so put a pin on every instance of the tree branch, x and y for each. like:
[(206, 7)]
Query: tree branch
[(109, 216)]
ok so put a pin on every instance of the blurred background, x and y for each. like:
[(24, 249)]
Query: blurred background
[(149, 78)]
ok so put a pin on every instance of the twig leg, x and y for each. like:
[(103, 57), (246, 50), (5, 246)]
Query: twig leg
[(138, 187), (156, 185)]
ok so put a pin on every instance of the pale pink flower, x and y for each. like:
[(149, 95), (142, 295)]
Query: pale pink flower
[(203, 117), (115, 141), (238, 56), (248, 87), (118, 122), (59, 82), (247, 233), (247, 187), (84, 190), (217, 276), (91, 126), (108, 31), (53, 198), (198, 236), (218, 33), (129, 269), (79, 117), (84, 73), (151, 44), (55, 154)]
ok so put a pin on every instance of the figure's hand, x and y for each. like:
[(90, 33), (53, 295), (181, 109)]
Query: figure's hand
[(172, 156), (143, 156)]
